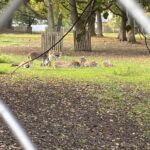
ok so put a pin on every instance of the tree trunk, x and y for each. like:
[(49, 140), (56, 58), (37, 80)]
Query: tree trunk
[(131, 33), (91, 25), (99, 24), (82, 42), (8, 25), (122, 33), (50, 16), (74, 12), (82, 37), (59, 23)]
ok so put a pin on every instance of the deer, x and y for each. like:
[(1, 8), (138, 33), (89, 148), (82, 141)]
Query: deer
[(65, 64), (23, 64), (33, 55), (85, 63), (47, 58), (107, 63)]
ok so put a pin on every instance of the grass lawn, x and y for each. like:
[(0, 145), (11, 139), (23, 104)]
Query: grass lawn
[(127, 71), (133, 70), (16, 40)]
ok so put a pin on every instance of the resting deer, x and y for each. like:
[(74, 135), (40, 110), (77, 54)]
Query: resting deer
[(65, 64), (23, 64), (86, 63), (107, 63)]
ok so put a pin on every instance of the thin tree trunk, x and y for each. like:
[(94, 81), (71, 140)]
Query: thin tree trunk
[(59, 22), (74, 12), (122, 33), (82, 39), (99, 24), (91, 25), (131, 33), (9, 24), (50, 16)]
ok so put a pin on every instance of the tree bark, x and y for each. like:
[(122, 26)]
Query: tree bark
[(8, 25), (91, 25), (74, 12), (122, 33), (99, 24), (50, 16), (59, 23), (82, 39), (131, 33)]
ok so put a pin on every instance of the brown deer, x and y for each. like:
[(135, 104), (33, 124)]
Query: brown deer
[(23, 64), (107, 63), (65, 64), (49, 57), (85, 63), (33, 55)]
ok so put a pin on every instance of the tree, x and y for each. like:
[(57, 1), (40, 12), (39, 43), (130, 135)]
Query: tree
[(91, 24), (24, 16), (131, 31), (122, 33), (100, 7), (99, 24), (80, 30)]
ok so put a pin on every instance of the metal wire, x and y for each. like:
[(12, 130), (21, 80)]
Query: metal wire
[(5, 113), (137, 13), (8, 12), (15, 127)]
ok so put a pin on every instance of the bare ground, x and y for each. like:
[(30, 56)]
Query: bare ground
[(101, 47), (65, 115)]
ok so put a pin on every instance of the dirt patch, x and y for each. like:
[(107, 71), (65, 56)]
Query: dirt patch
[(111, 47), (100, 47), (18, 50), (65, 115)]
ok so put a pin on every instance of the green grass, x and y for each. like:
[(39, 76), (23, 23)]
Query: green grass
[(127, 71), (124, 70), (132, 73), (19, 40)]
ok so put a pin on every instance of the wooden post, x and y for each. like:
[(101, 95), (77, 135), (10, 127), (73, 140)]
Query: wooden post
[(50, 38)]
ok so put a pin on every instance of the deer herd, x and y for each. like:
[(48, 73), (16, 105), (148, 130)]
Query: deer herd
[(53, 59)]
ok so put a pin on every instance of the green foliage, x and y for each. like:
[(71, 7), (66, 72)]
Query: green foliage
[(24, 16), (114, 22), (105, 15), (128, 28)]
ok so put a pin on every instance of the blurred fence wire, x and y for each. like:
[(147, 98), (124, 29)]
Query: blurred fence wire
[(5, 113), (8, 12), (137, 12), (15, 127)]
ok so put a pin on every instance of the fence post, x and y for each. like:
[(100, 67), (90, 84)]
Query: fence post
[(50, 38)]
